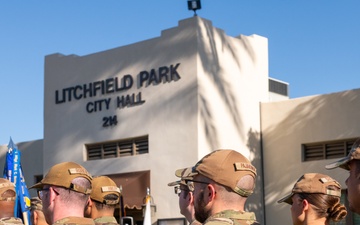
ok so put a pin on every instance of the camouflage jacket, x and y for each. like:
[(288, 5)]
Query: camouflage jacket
[(11, 221), (195, 222), (75, 221), (106, 220), (232, 217)]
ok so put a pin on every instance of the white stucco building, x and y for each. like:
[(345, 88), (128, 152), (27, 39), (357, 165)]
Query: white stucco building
[(139, 112)]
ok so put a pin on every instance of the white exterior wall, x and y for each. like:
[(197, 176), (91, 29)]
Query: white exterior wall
[(288, 124), (168, 116), (214, 105), (233, 80)]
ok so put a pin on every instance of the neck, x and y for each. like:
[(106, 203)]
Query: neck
[(7, 209), (310, 219), (101, 213), (219, 206), (64, 212)]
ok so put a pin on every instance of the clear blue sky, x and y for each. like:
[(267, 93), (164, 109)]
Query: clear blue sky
[(313, 45)]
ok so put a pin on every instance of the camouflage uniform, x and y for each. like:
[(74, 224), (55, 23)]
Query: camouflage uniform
[(106, 220), (232, 217), (195, 222), (11, 221), (75, 221)]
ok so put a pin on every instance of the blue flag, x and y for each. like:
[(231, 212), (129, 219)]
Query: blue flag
[(14, 173)]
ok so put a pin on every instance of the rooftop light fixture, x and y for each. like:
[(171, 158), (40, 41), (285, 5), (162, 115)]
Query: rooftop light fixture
[(194, 5)]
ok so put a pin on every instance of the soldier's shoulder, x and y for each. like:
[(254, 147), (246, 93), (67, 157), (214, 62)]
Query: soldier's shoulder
[(106, 220), (11, 221), (195, 222), (75, 221), (232, 217)]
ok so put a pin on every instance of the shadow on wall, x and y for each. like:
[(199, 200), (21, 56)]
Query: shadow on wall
[(314, 119), (214, 43), (212, 65), (255, 201), (208, 52)]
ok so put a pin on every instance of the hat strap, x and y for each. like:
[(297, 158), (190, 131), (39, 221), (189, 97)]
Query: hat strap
[(333, 192), (242, 192), (80, 189)]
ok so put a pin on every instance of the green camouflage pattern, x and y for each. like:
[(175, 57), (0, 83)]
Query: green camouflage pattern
[(106, 220), (75, 221), (11, 221), (195, 222), (232, 217)]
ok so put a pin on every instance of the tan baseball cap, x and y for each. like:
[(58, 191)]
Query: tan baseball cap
[(343, 163), (36, 204), (63, 174), (223, 166), (6, 185), (103, 186), (313, 183)]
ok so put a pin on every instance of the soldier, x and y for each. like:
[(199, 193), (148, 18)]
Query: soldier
[(186, 201), (315, 199), (37, 215), (221, 182), (351, 163), (7, 203), (65, 192), (104, 197)]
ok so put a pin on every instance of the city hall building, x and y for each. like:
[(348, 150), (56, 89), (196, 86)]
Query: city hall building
[(139, 112)]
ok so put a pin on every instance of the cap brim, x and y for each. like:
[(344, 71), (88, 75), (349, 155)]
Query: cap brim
[(37, 186), (186, 173), (287, 199), (342, 163)]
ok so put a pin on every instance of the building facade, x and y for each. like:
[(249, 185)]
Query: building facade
[(139, 112)]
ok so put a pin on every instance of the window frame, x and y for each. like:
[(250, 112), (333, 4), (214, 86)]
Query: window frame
[(117, 148)]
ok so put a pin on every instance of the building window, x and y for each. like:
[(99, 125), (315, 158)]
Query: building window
[(119, 148), (326, 150), (37, 178), (278, 87)]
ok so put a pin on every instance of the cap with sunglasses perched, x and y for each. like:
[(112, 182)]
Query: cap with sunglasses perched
[(225, 167), (63, 174), (175, 183), (179, 186), (314, 183), (103, 186), (343, 163)]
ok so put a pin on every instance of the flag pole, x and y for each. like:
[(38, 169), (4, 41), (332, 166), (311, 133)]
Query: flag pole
[(147, 216), (121, 206), (13, 172)]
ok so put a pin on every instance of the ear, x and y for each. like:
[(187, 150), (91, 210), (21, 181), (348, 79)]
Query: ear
[(88, 208), (52, 194), (89, 203), (305, 205), (191, 197), (35, 217), (211, 192)]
